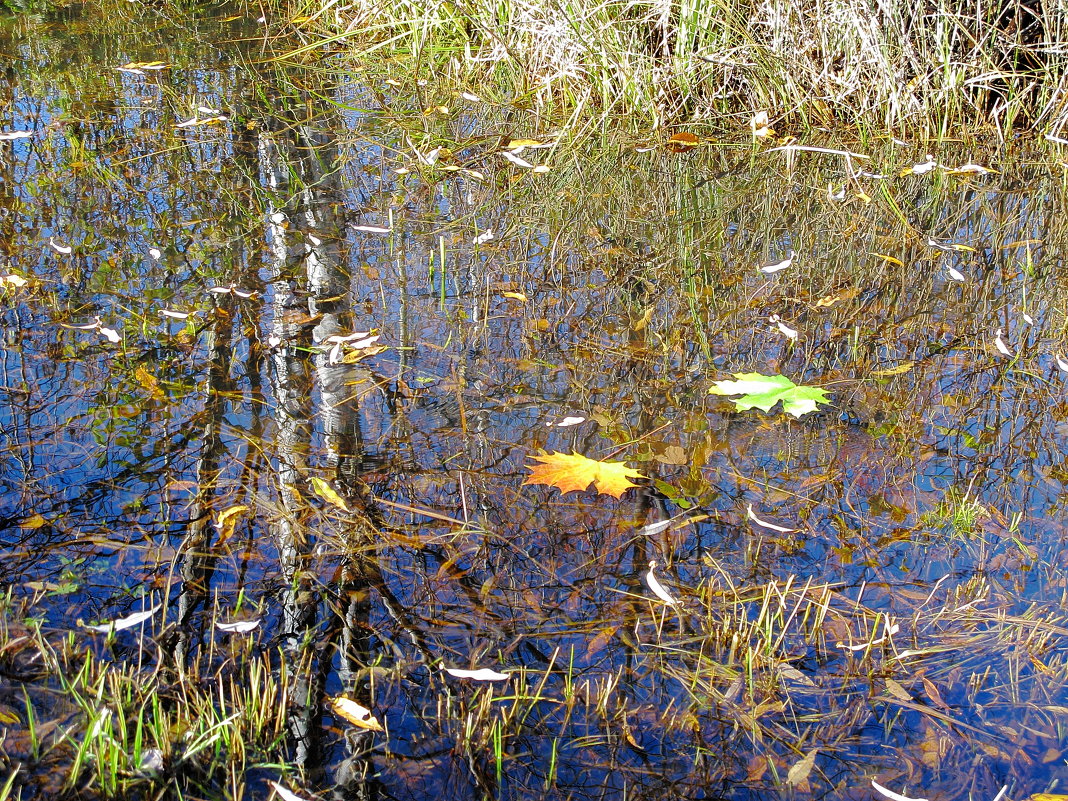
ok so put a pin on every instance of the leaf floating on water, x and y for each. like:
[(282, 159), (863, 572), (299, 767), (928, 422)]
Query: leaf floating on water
[(782, 529), (955, 274), (891, 794), (58, 248), (570, 421), (141, 67), (682, 141), (356, 714), (155, 253), (657, 587), (516, 160), (1062, 363), (238, 626), (328, 493), (999, 343), (764, 391), (515, 296), (517, 146), (484, 237), (571, 473), (922, 168), (372, 229), (483, 674), (284, 794), (16, 281), (827, 301), (471, 96), (1027, 318), (227, 519), (800, 770), (111, 335), (175, 315), (900, 369), (782, 265), (759, 125), (784, 329), (970, 169), (127, 622), (12, 135)]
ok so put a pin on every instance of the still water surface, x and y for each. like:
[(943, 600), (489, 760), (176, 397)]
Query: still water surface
[(908, 622)]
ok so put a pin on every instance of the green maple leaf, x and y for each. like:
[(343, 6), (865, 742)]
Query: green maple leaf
[(764, 391)]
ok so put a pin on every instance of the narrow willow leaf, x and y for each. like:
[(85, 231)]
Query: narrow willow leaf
[(657, 587), (284, 794), (765, 524), (955, 274), (781, 265), (891, 794), (58, 248), (121, 623), (238, 626), (999, 343), (483, 674)]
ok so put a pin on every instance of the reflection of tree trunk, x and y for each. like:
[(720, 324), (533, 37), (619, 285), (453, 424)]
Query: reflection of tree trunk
[(197, 563)]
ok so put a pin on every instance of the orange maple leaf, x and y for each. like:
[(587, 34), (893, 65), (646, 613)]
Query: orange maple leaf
[(576, 472)]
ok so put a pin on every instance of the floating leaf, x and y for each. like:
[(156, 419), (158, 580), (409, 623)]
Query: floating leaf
[(127, 622), (801, 769), (148, 381), (764, 391), (11, 135), (516, 160), (752, 516), (58, 248), (325, 491), (515, 296), (682, 141), (891, 794), (238, 626), (900, 369), (284, 794), (759, 125), (657, 587), (484, 237), (999, 343), (570, 421), (782, 265), (354, 713), (483, 674), (575, 473), (955, 274), (227, 520)]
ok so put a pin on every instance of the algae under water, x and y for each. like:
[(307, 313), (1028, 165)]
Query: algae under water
[(197, 249)]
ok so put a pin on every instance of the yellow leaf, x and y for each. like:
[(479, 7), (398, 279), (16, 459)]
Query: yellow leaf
[(904, 367), (827, 301), (325, 491), (890, 259), (227, 520), (799, 772), (570, 473), (684, 140), (515, 296), (514, 144), (34, 521), (149, 383), (354, 713)]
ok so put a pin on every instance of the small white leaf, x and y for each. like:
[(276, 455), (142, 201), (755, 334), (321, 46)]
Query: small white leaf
[(923, 167), (999, 343), (484, 237), (431, 158), (58, 248), (891, 794), (314, 240), (283, 793), (782, 265), (110, 334), (155, 253), (655, 528), (274, 341), (371, 229), (570, 421), (124, 622), (955, 274), (177, 315), (1027, 318), (278, 218), (516, 160), (785, 330), (1062, 363), (657, 587), (244, 293), (10, 135), (749, 513), (471, 96), (976, 169), (220, 290), (483, 674), (237, 627)]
